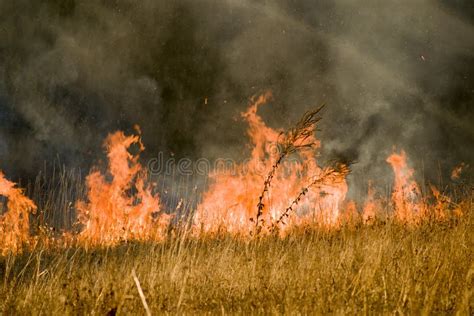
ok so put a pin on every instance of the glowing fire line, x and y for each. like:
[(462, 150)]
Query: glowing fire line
[(121, 205)]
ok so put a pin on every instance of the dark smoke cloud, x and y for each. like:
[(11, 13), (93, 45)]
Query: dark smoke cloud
[(393, 73)]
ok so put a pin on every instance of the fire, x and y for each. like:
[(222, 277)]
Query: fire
[(123, 207), (264, 191), (410, 206), (456, 173), (350, 215), (407, 200), (371, 206), (442, 203), (281, 186), (14, 223)]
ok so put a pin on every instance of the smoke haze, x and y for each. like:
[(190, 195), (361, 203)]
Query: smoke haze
[(392, 73)]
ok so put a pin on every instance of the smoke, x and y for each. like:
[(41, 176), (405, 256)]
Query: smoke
[(391, 73)]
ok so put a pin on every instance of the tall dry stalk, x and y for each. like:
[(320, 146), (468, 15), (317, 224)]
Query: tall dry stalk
[(293, 140), (329, 176)]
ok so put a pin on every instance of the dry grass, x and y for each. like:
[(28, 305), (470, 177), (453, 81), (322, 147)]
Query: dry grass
[(294, 139), (383, 268)]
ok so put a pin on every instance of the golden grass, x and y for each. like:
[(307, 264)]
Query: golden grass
[(383, 268)]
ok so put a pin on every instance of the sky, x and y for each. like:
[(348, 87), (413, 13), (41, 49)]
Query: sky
[(393, 75)]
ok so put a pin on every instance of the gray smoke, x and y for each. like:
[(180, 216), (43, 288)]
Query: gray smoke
[(393, 73)]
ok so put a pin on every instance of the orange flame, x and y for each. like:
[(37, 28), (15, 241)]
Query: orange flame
[(231, 202), (124, 207), (406, 196), (442, 203), (14, 223), (297, 191), (456, 173), (371, 206), (350, 215)]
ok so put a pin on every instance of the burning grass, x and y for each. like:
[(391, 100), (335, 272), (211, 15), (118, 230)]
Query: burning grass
[(15, 222), (124, 207), (276, 234), (283, 168)]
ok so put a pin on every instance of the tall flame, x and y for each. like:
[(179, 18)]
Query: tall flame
[(124, 207), (408, 203), (14, 223), (231, 202), (280, 186)]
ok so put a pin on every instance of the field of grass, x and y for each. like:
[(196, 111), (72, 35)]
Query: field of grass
[(382, 268), (410, 252)]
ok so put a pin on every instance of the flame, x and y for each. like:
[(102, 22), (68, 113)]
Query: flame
[(371, 206), (442, 203), (408, 203), (124, 207), (350, 215), (232, 200), (456, 172), (279, 187), (14, 223)]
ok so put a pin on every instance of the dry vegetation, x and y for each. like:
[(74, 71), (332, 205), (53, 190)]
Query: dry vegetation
[(408, 253), (382, 268)]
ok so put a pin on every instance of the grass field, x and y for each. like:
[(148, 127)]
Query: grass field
[(382, 268), (124, 251)]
